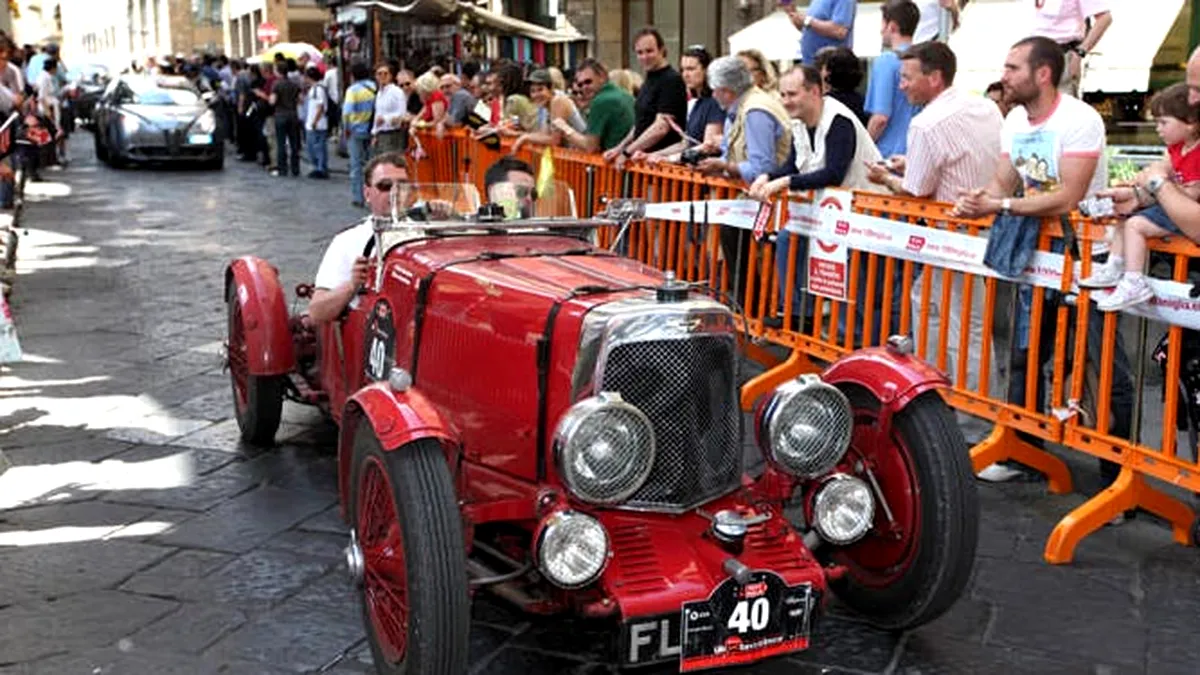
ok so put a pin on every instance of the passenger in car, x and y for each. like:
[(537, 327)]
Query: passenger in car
[(344, 267)]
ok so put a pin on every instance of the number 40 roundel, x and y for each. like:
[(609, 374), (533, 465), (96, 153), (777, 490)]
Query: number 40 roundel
[(379, 348)]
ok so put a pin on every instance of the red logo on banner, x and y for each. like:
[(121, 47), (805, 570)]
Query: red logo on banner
[(916, 243), (842, 227), (760, 221), (828, 248)]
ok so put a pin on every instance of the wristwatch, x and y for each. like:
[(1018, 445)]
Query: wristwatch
[(1155, 184), (1006, 205), (807, 21), (1080, 51)]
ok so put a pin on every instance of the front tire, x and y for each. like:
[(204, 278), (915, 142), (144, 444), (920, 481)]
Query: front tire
[(908, 573), (101, 148), (404, 511), (257, 399)]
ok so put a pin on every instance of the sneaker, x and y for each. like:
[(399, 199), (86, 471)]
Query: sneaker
[(998, 473), (1130, 291), (274, 172), (1103, 276)]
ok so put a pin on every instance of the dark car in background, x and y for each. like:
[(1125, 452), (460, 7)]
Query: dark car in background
[(89, 82), (145, 118)]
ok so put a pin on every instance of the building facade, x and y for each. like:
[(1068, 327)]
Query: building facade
[(297, 21), (119, 32)]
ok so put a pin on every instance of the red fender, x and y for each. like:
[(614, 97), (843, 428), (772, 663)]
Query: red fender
[(264, 315), (397, 417), (893, 377)]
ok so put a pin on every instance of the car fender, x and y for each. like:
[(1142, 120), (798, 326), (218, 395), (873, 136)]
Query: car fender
[(397, 418), (895, 378), (264, 315)]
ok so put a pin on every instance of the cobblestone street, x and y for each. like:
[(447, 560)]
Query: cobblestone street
[(138, 537)]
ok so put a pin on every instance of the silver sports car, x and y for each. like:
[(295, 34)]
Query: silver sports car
[(146, 118)]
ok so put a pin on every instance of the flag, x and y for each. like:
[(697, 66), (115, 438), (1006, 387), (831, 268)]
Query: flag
[(545, 179)]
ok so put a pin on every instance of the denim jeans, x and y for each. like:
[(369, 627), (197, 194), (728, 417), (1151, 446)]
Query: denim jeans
[(360, 147), (318, 149), (287, 144), (782, 247)]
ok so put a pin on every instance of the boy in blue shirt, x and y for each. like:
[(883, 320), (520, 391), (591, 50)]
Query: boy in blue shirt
[(888, 107)]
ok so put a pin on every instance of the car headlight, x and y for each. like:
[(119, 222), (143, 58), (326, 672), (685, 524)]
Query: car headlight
[(206, 123), (130, 124), (805, 426), (572, 549), (843, 510), (604, 448)]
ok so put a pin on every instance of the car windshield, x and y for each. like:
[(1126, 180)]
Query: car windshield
[(152, 93)]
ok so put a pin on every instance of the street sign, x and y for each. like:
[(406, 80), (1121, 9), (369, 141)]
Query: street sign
[(267, 32)]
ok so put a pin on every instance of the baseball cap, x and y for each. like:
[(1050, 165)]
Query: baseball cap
[(540, 76)]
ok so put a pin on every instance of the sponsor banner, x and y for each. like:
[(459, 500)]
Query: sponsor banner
[(828, 260), (958, 251)]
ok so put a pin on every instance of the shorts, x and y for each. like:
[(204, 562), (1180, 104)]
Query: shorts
[(1157, 215)]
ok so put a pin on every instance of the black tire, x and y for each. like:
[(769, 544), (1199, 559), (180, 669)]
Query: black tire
[(439, 625), (218, 163), (259, 416), (101, 148), (949, 510)]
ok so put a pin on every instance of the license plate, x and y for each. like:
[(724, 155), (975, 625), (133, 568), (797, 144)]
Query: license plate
[(743, 623), (736, 625), (200, 139)]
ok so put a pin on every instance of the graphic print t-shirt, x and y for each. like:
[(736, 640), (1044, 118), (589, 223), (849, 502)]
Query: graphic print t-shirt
[(1036, 148)]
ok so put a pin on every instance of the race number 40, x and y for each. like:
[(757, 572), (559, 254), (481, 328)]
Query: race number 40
[(750, 615)]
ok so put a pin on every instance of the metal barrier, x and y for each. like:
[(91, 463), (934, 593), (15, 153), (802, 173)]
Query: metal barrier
[(961, 300)]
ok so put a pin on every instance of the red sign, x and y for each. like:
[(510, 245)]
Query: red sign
[(267, 32), (828, 262)]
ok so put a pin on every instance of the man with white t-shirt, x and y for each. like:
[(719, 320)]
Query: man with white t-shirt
[(316, 123), (1066, 23), (1053, 149)]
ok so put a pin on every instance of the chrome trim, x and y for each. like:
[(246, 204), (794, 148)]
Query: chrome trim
[(570, 423)]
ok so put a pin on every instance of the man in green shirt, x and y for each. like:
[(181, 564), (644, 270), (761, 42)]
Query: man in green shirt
[(610, 114)]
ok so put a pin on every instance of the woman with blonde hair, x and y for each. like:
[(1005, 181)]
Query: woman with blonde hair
[(433, 102), (628, 80), (557, 80), (761, 69)]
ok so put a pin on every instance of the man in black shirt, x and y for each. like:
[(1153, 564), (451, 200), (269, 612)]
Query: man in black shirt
[(663, 95), (285, 97)]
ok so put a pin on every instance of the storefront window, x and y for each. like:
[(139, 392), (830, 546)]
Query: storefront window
[(683, 23), (667, 21)]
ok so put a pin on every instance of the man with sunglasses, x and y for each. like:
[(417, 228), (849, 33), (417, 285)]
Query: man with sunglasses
[(610, 111), (344, 266)]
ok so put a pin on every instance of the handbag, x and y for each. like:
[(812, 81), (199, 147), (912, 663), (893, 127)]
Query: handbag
[(1011, 243)]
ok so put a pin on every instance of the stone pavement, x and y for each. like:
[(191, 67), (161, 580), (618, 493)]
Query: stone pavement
[(137, 536)]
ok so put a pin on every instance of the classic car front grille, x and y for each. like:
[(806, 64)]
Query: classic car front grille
[(687, 387)]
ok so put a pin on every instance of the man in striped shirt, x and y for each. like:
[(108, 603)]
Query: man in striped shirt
[(358, 111), (953, 145)]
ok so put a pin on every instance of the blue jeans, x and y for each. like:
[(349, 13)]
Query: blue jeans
[(360, 147), (318, 149)]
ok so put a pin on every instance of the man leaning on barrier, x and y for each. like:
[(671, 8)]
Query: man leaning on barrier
[(757, 140), (1054, 145)]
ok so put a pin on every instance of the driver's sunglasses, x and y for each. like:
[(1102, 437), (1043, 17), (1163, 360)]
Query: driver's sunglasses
[(524, 191), (385, 185)]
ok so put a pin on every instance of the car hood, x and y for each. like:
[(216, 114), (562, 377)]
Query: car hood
[(165, 116)]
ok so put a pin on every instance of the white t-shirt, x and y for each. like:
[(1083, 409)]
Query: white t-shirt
[(337, 266), (931, 17), (315, 98), (1072, 129), (391, 102), (1063, 20), (332, 85)]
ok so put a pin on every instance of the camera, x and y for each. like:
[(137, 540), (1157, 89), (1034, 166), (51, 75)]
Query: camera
[(692, 156), (1097, 207)]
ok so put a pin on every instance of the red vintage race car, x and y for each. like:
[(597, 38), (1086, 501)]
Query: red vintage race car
[(526, 413)]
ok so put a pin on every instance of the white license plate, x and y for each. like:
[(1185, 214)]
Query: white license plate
[(200, 139)]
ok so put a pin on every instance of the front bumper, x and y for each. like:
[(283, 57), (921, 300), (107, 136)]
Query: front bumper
[(664, 567), (172, 146)]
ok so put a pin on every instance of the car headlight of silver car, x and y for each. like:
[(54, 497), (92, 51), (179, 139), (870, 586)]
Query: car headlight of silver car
[(206, 123), (844, 509), (130, 124), (573, 549), (604, 449), (805, 426)]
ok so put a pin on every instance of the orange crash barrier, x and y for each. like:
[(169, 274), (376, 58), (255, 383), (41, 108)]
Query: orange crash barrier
[(952, 316)]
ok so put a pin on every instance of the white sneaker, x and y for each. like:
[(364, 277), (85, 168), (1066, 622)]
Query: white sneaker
[(1130, 291), (1102, 276), (997, 473)]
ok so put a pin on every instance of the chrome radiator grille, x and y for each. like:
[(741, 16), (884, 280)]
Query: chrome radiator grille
[(688, 389)]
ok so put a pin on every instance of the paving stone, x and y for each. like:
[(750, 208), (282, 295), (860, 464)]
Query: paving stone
[(156, 429), (190, 629), (245, 521), (1101, 636), (99, 515), (320, 545), (169, 576), (841, 642), (947, 657), (134, 661), (197, 462), (215, 405), (76, 622), (200, 494), (81, 448), (329, 520), (256, 580), (52, 571), (294, 635), (334, 591), (1080, 587), (224, 436)]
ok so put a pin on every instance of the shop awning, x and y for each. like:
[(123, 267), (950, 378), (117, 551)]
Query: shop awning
[(425, 9), (509, 25)]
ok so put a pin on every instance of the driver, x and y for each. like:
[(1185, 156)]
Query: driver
[(344, 267)]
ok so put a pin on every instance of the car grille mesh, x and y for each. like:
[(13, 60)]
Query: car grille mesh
[(687, 387)]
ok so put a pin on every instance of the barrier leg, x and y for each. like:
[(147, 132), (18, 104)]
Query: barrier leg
[(1130, 490), (760, 355), (1004, 444), (796, 364)]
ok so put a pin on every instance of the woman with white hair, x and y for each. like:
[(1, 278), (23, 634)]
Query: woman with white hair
[(434, 105), (759, 137)]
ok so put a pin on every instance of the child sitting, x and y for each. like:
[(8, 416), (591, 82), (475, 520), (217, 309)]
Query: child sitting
[(1178, 124)]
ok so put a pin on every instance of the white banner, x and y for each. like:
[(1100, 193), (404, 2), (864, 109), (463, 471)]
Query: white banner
[(961, 252)]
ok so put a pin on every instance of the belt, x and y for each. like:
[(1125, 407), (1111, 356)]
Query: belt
[(389, 131)]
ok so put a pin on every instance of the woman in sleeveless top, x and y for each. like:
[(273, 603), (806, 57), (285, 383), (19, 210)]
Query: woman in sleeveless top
[(551, 106)]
